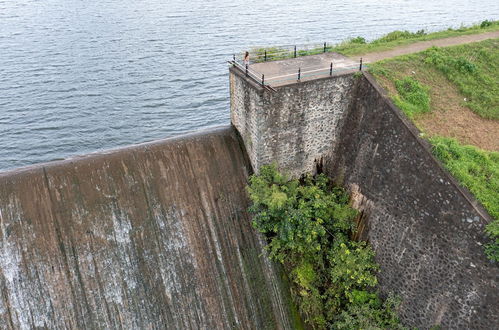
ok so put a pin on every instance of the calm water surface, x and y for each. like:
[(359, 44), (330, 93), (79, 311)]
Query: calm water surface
[(82, 76)]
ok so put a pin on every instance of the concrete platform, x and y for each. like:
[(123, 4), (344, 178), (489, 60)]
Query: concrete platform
[(284, 72)]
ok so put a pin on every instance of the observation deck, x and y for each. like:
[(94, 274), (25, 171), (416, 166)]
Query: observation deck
[(277, 73)]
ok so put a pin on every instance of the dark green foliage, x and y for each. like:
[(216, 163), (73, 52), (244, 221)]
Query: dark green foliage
[(477, 170), (413, 96), (358, 40), (487, 23), (308, 225)]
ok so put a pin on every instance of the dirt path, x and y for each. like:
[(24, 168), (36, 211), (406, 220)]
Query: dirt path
[(422, 45)]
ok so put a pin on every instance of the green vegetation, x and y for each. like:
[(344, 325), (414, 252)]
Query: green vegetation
[(492, 249), (472, 68), (413, 96), (359, 45), (400, 38), (308, 225), (477, 170)]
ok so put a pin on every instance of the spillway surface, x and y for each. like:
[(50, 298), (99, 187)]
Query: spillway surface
[(152, 236)]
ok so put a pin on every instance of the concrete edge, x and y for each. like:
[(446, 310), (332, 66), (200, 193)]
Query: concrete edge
[(468, 196), (251, 82), (226, 130), (259, 87)]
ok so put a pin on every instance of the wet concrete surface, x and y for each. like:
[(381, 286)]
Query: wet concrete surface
[(151, 236)]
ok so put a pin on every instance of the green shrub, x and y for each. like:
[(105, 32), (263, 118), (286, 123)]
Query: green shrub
[(413, 96), (308, 225), (399, 35), (485, 24), (372, 315), (358, 40), (492, 249)]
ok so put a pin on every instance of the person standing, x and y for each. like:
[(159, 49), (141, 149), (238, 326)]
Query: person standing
[(246, 59)]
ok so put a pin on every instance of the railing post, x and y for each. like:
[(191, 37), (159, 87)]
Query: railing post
[(246, 70), (265, 55), (233, 59), (263, 80), (331, 69), (295, 51), (360, 66), (299, 73), (324, 47)]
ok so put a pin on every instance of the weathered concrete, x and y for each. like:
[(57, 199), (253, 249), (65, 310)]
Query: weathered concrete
[(428, 233), (294, 127), (152, 236)]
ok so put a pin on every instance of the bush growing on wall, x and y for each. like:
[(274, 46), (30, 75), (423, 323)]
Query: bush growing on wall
[(308, 225)]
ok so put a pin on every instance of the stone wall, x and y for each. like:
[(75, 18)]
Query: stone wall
[(428, 233), (294, 126), (146, 237), (246, 104)]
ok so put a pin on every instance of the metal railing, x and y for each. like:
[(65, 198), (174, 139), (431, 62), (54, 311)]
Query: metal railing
[(265, 54), (298, 76), (260, 78)]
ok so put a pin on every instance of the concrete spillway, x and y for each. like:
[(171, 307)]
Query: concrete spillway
[(150, 236)]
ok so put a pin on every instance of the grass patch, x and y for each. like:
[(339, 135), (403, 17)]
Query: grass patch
[(309, 225), (400, 38), (477, 170), (359, 45), (472, 68), (413, 96)]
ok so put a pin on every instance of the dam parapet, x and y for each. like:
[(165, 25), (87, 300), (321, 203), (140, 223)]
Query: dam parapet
[(426, 230)]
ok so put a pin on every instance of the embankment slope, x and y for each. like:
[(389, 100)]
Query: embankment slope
[(143, 237)]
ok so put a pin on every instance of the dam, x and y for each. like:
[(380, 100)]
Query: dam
[(158, 235)]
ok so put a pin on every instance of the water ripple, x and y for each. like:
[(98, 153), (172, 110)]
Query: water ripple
[(79, 76)]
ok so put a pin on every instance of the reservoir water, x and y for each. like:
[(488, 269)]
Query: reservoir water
[(82, 76)]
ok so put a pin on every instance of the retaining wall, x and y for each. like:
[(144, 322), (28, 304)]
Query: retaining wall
[(428, 233)]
